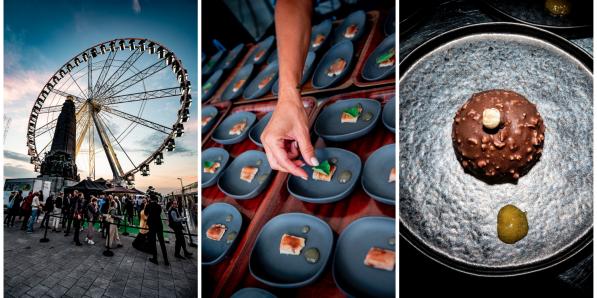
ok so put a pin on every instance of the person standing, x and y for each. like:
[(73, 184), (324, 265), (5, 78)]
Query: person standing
[(154, 222), (113, 237), (13, 195), (35, 206), (68, 212), (92, 213), (77, 217), (15, 208), (175, 221), (26, 210), (130, 210), (48, 208), (55, 221)]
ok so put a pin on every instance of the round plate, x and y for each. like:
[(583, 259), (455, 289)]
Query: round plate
[(252, 293), (388, 116), (232, 58), (350, 273), (454, 219), (253, 91), (577, 23), (222, 133), (307, 70), (243, 74), (329, 127), (213, 154), (376, 173), (266, 46), (358, 18), (372, 71), (315, 191), (209, 111), (257, 130), (389, 26), (212, 252), (324, 28), (272, 268), (214, 80), (212, 63), (344, 50), (231, 184)]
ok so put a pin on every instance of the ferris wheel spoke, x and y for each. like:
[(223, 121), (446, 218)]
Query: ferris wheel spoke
[(66, 94), (138, 120), (136, 78), (76, 83), (120, 71), (117, 142), (89, 76), (82, 130), (45, 128), (104, 72), (107, 146), (153, 94)]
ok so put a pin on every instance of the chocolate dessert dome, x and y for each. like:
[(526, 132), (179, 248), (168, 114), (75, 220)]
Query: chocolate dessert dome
[(498, 136)]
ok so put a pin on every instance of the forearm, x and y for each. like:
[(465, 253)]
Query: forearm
[(293, 33)]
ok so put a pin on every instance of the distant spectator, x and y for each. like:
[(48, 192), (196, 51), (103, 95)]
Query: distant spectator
[(26, 210), (48, 209), (14, 208), (55, 221), (35, 206)]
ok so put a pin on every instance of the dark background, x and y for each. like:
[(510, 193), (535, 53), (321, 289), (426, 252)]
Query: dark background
[(421, 276)]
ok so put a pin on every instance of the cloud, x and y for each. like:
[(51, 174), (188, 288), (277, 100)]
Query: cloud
[(15, 156), (17, 171), (24, 85), (136, 6)]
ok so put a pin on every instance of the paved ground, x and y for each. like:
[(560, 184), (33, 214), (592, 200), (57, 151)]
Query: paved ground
[(60, 269)]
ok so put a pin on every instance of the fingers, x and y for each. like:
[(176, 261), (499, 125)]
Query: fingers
[(278, 159), (306, 148)]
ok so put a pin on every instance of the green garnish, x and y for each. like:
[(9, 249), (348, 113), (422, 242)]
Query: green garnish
[(354, 111), (206, 86), (208, 164), (211, 63), (323, 167), (385, 56)]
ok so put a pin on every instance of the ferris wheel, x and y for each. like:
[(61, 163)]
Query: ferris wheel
[(131, 96)]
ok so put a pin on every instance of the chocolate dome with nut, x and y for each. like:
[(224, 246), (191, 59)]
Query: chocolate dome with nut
[(498, 136)]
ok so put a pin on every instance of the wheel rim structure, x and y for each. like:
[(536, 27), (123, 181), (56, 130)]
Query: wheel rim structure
[(116, 86)]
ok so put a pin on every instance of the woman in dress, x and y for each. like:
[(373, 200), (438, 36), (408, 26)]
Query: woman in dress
[(141, 241)]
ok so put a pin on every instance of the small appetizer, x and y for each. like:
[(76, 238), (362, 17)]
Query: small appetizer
[(291, 245), (324, 171), (216, 231), (206, 87), (238, 85), (351, 31), (336, 68), (206, 119), (386, 59), (512, 224), (380, 259), (210, 166), (259, 55), (238, 128), (248, 173), (352, 114), (318, 40), (558, 8), (392, 176), (265, 81)]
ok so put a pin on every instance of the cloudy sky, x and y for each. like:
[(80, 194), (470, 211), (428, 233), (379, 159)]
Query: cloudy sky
[(40, 36)]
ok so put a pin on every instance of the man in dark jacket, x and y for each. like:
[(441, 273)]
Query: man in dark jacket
[(175, 222), (69, 204), (14, 208), (55, 222), (78, 214), (154, 222), (48, 208), (130, 209)]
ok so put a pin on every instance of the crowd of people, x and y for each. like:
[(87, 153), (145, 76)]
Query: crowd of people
[(70, 212)]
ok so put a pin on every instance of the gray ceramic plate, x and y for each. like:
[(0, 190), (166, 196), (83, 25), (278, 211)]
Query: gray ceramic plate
[(324, 28), (214, 80), (388, 116), (232, 58), (372, 71), (230, 183), (211, 65), (376, 173), (265, 45), (307, 70), (329, 127), (212, 252), (243, 74), (257, 130), (252, 293), (358, 18), (351, 275), (344, 50), (315, 191), (454, 219), (213, 154), (209, 111), (253, 91), (222, 135), (289, 271)]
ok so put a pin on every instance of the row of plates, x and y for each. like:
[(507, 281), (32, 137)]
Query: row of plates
[(267, 265), (266, 80)]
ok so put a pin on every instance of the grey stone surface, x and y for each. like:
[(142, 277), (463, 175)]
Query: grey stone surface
[(60, 269)]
